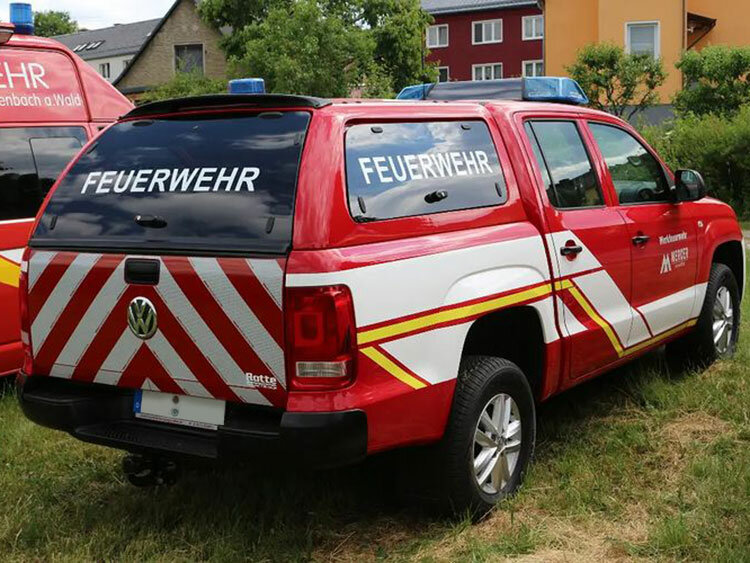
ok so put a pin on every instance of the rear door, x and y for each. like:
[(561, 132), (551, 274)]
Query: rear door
[(663, 234), (31, 158), (159, 261), (590, 246)]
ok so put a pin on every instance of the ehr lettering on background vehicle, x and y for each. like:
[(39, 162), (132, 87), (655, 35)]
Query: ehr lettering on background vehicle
[(270, 274), (51, 104)]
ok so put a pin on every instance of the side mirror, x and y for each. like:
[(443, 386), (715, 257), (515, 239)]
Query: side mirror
[(689, 186)]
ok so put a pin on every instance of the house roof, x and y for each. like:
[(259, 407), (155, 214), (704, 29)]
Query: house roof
[(118, 40), (453, 6)]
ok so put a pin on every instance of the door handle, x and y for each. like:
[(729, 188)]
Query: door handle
[(640, 240), (571, 250)]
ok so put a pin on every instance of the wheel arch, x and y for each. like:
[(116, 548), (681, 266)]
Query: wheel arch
[(731, 253), (516, 334)]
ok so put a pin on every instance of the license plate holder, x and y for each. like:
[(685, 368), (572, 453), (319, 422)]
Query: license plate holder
[(183, 410)]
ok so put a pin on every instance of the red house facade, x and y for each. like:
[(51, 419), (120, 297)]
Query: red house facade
[(485, 39)]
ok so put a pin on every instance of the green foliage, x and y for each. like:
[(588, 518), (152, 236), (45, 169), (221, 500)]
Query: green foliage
[(327, 48), (717, 146), (717, 78), (615, 81), (52, 22), (185, 84)]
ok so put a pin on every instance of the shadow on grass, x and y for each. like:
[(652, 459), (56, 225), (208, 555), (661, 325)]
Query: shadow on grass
[(285, 513)]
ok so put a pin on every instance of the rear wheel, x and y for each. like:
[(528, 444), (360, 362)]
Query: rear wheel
[(717, 330), (489, 441)]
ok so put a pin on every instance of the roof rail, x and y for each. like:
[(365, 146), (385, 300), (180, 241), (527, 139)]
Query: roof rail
[(538, 89), (227, 101)]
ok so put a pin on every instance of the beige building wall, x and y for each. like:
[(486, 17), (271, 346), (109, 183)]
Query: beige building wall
[(569, 25), (732, 21), (156, 65)]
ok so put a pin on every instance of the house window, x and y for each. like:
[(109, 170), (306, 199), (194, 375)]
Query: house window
[(188, 58), (490, 71), (104, 70), (533, 27), (642, 38), (444, 74), (533, 68), (437, 36), (488, 31)]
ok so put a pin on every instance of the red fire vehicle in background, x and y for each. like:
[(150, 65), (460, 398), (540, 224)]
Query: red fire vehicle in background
[(51, 104)]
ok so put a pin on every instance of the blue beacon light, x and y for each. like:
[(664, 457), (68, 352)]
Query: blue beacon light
[(22, 16), (247, 86)]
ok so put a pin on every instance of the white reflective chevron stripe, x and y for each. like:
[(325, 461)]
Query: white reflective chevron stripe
[(255, 334), (15, 255), (119, 357), (202, 335), (60, 297), (93, 318), (40, 259), (174, 366), (270, 274)]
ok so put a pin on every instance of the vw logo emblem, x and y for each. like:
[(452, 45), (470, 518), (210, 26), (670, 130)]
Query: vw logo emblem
[(142, 318)]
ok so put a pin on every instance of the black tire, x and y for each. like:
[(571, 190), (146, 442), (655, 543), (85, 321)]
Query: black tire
[(698, 348), (481, 378)]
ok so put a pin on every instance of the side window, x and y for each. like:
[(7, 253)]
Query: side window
[(565, 164), (637, 175), (30, 160), (405, 169)]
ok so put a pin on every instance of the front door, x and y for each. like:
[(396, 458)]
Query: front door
[(590, 245), (663, 234)]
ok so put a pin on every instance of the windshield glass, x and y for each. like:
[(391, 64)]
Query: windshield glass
[(200, 183)]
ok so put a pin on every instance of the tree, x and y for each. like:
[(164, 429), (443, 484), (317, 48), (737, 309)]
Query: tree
[(717, 78), (615, 81), (52, 22), (185, 84), (325, 47)]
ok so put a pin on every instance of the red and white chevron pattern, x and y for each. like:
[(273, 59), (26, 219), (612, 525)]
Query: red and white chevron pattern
[(219, 319)]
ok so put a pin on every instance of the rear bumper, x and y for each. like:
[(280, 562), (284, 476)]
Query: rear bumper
[(103, 414)]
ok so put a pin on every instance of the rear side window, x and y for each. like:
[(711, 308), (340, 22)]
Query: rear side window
[(31, 158), (211, 183), (562, 156), (406, 169)]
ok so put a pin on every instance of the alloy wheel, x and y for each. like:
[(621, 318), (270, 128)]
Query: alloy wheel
[(497, 443)]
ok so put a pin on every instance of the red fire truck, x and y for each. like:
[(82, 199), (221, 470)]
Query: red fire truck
[(311, 280), (51, 104)]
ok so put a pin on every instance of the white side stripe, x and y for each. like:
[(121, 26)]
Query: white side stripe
[(39, 262), (270, 274)]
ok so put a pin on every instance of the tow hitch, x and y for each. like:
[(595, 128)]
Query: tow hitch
[(149, 471)]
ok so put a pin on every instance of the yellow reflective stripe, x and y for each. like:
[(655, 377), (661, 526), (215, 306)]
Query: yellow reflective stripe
[(583, 302), (449, 315), (395, 370), (10, 272), (658, 337)]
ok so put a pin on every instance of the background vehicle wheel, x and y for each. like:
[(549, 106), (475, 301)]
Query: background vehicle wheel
[(489, 440), (716, 333)]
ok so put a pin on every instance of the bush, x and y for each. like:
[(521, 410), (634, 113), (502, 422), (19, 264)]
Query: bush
[(717, 80), (615, 81), (717, 146), (183, 85)]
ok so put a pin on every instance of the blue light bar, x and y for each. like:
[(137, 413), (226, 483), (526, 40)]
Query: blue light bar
[(550, 89), (247, 86), (22, 17), (561, 90)]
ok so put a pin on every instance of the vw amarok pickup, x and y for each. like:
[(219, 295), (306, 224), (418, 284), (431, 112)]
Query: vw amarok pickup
[(235, 275)]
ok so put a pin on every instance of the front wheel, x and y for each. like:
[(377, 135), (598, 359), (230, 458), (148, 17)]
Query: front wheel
[(490, 437), (717, 330)]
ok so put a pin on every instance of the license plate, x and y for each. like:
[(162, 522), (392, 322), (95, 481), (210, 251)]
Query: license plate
[(196, 412)]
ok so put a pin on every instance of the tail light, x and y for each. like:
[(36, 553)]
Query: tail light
[(321, 337), (23, 295)]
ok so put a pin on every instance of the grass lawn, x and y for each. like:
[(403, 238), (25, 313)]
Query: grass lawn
[(640, 464)]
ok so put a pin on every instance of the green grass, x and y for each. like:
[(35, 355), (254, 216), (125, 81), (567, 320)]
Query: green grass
[(643, 463)]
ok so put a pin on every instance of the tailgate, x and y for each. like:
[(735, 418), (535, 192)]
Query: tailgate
[(205, 327)]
